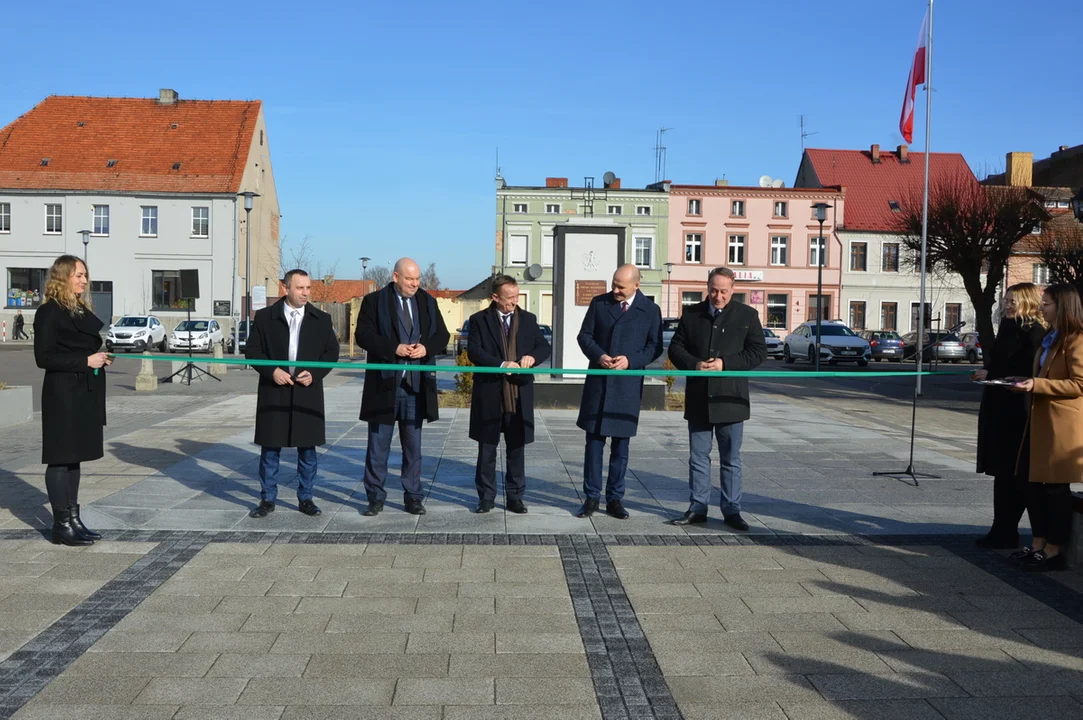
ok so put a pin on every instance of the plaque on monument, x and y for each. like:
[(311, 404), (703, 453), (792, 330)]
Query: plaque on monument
[(587, 290)]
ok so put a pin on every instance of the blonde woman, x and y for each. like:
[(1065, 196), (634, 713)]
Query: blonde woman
[(67, 345), (1002, 418)]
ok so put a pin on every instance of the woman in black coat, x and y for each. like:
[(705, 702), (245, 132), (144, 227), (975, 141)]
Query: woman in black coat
[(1002, 418), (67, 343)]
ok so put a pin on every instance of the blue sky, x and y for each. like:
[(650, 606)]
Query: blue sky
[(384, 119)]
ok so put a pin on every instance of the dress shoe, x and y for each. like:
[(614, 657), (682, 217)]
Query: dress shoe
[(998, 541), (1040, 562), (484, 506), (736, 522), (414, 507), (614, 508), (262, 510), (64, 533), (80, 528), (690, 518), (308, 508), (516, 506), (373, 509), (588, 509), (1023, 554)]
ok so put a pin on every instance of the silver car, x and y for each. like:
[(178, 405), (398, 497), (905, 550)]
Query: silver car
[(838, 343), (973, 347), (943, 346), (774, 343)]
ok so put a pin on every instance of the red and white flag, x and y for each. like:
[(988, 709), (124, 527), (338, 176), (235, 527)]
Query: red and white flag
[(917, 77)]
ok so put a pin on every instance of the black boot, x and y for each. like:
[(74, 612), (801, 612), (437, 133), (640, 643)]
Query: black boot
[(80, 528), (64, 533)]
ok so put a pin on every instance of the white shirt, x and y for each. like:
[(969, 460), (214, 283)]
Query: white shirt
[(295, 329), (628, 300)]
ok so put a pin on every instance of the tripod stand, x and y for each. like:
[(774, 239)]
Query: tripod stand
[(189, 370)]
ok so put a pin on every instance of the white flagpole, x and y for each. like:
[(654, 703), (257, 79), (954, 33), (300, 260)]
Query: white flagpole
[(925, 198)]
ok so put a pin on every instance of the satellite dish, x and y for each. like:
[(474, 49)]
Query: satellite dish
[(608, 178), (778, 184), (533, 272), (765, 181)]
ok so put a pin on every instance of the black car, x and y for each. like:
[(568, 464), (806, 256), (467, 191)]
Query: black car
[(243, 333), (885, 344), (460, 342), (547, 333)]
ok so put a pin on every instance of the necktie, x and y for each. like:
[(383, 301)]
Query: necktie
[(407, 319), (624, 306), (505, 320), (294, 336)]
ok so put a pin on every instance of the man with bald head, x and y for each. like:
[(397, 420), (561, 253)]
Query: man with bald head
[(399, 325), (622, 331)]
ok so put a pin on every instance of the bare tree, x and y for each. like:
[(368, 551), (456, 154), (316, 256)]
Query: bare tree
[(429, 279), (1061, 250), (380, 275), (323, 280), (301, 256), (972, 231)]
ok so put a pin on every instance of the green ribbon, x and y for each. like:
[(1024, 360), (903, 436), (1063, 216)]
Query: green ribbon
[(555, 371)]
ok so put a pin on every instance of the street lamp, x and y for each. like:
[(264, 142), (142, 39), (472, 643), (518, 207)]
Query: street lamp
[(248, 196), (86, 243), (821, 215), (669, 289), (364, 274)]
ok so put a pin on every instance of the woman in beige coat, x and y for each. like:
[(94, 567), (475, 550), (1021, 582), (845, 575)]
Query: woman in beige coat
[(1056, 429)]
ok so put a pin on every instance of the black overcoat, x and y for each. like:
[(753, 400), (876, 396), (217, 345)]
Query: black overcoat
[(72, 396), (291, 415), (1002, 417), (377, 334), (736, 336), (485, 348), (611, 403)]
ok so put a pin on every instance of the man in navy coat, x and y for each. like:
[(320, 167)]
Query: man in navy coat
[(622, 331)]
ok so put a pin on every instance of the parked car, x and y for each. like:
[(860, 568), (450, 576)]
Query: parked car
[(944, 346), (774, 343), (196, 335), (241, 332), (460, 341), (838, 343), (547, 333), (885, 344), (669, 326), (972, 343), (136, 332)]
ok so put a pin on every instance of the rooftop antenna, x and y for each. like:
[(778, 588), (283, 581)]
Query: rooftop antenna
[(804, 133), (660, 154), (498, 163)]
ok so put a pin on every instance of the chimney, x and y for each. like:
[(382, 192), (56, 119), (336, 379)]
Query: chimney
[(904, 153), (1063, 148), (552, 182), (167, 96), (721, 183), (615, 185), (1019, 169), (875, 152)]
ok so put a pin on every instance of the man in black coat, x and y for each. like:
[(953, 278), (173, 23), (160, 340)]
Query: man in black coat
[(503, 335), (399, 325), (289, 401), (717, 335)]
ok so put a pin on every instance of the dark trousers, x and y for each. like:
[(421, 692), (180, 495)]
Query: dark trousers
[(1050, 506), (62, 485), (20, 334), (379, 448), (592, 467), (511, 425), (1009, 502), (268, 473)]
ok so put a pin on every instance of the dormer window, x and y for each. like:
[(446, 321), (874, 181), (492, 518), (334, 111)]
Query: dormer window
[(176, 166), (45, 162), (111, 163), (894, 205)]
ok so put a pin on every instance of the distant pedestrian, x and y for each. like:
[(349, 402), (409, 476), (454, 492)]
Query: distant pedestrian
[(20, 323)]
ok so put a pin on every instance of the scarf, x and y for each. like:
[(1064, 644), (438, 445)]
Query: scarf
[(509, 399)]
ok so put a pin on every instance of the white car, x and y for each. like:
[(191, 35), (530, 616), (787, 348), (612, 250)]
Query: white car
[(838, 343), (136, 332), (195, 335), (774, 343)]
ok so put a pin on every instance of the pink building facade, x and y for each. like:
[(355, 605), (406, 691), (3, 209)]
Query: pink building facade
[(767, 236)]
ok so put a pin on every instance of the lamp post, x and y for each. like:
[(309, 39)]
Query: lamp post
[(364, 274), (669, 289), (248, 196), (821, 215), (86, 243)]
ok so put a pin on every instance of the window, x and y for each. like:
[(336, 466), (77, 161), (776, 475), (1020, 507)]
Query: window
[(644, 251), (890, 259), (817, 251), (26, 287), (694, 207), (815, 302), (914, 315), (201, 222), (5, 217), (54, 219), (1041, 274), (643, 209), (737, 250), (780, 250), (737, 208), (857, 314), (1050, 203), (547, 251), (614, 210), (552, 208), (889, 316), (517, 250), (165, 290), (690, 298), (780, 209), (953, 315), (101, 220), (519, 207), (1063, 204), (149, 225), (1036, 230), (859, 256), (693, 248), (778, 308), (740, 297)]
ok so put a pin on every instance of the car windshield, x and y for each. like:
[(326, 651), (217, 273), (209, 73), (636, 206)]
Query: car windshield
[(833, 330), (546, 329), (769, 333), (132, 322), (193, 326)]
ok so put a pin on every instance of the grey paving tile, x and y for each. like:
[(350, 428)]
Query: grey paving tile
[(544, 665), (1018, 683), (726, 690), (229, 642), (142, 664), (862, 710), (444, 691), (765, 710), (330, 691), (191, 691), (587, 711), (1009, 708), (443, 643), (380, 666), (234, 665), (233, 712), (38, 709), (544, 690), (76, 689), (895, 686)]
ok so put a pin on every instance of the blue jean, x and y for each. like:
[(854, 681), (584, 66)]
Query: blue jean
[(592, 467), (379, 449), (729, 436), (268, 473)]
